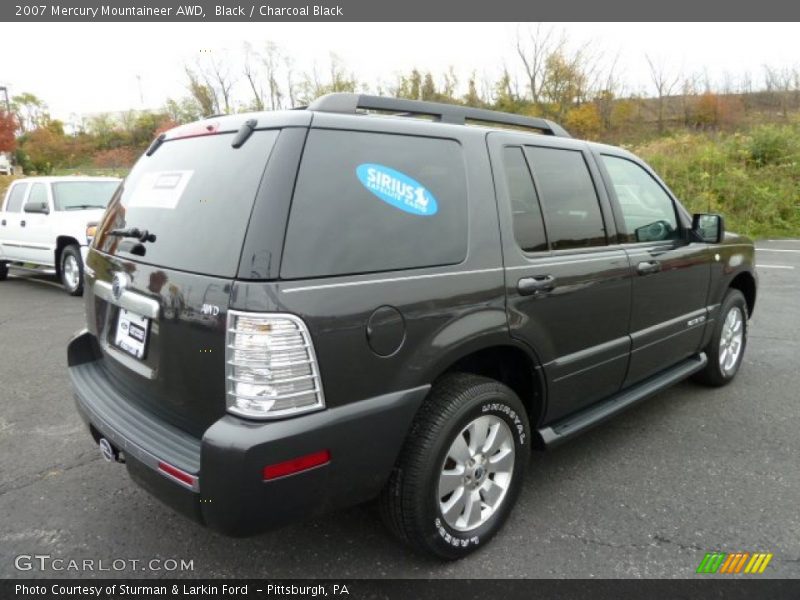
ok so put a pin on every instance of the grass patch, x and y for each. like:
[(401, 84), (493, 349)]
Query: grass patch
[(752, 178)]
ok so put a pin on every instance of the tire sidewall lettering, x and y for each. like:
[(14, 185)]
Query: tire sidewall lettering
[(511, 415), (456, 541)]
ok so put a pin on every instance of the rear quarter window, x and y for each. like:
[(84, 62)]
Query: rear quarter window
[(369, 202)]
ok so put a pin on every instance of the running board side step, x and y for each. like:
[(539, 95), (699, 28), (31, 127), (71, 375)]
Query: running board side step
[(26, 269), (577, 423)]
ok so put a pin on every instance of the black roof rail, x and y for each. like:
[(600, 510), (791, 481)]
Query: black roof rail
[(445, 113)]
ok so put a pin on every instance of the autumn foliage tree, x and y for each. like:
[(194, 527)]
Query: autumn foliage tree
[(46, 147), (8, 127)]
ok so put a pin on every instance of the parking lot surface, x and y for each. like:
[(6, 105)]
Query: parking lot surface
[(693, 470)]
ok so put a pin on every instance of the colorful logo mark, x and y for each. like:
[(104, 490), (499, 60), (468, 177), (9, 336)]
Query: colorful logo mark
[(733, 563), (397, 189)]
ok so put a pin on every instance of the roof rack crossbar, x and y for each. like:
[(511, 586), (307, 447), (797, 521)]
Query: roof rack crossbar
[(445, 113)]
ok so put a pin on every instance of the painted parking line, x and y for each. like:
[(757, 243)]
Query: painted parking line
[(777, 250), (790, 241), (774, 267)]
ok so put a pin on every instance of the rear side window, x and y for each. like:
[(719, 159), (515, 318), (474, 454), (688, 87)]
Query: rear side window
[(568, 197), (38, 193), (15, 198), (195, 195), (525, 209), (78, 195), (367, 202)]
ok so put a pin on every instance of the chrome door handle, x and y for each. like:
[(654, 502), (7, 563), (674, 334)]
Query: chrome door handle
[(529, 286), (648, 267)]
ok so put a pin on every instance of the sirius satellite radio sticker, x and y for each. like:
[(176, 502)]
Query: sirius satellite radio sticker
[(397, 189), (160, 189)]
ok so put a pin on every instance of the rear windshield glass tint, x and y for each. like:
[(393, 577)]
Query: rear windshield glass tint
[(78, 195), (368, 202), (195, 195)]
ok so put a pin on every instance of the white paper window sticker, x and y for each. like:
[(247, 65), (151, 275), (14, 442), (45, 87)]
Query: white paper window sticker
[(160, 189)]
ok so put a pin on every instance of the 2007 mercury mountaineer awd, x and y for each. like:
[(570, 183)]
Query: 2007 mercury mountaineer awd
[(297, 311)]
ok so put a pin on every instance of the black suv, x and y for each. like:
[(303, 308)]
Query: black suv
[(292, 312)]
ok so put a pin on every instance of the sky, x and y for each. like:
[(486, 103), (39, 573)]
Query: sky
[(84, 68)]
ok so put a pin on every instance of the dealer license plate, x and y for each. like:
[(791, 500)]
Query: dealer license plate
[(132, 332)]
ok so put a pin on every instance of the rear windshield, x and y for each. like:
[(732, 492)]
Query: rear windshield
[(79, 195), (195, 196)]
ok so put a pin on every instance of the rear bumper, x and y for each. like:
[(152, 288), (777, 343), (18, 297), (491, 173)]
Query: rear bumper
[(228, 492)]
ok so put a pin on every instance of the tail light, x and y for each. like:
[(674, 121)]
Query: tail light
[(272, 370)]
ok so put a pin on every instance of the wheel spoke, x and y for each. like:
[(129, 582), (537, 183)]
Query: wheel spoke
[(472, 510), (450, 480), (478, 431), (459, 451), (492, 440), (502, 461), (454, 507), (492, 492)]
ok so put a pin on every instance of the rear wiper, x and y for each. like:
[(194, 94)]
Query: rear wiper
[(141, 234), (83, 206)]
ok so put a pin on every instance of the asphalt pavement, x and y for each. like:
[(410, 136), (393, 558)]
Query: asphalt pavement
[(691, 471)]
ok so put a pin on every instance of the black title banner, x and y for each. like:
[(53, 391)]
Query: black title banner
[(398, 10), (391, 589)]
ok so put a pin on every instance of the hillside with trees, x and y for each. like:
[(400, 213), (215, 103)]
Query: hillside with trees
[(729, 145)]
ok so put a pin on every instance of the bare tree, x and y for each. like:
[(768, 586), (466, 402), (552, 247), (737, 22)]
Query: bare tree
[(203, 94), (218, 75), (535, 50), (664, 82), (252, 77), (271, 59), (688, 91), (608, 92), (779, 85), (290, 85)]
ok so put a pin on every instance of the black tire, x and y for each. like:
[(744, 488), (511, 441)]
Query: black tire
[(3, 271), (714, 374), (73, 288), (409, 504)]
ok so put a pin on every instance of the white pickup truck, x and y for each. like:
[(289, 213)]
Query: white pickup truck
[(6, 168), (47, 224)]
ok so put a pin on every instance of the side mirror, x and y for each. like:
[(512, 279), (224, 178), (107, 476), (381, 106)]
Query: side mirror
[(37, 207), (709, 228)]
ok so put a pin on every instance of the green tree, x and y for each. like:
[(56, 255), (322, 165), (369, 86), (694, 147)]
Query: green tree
[(30, 110), (563, 85), (410, 86), (473, 97), (182, 110)]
